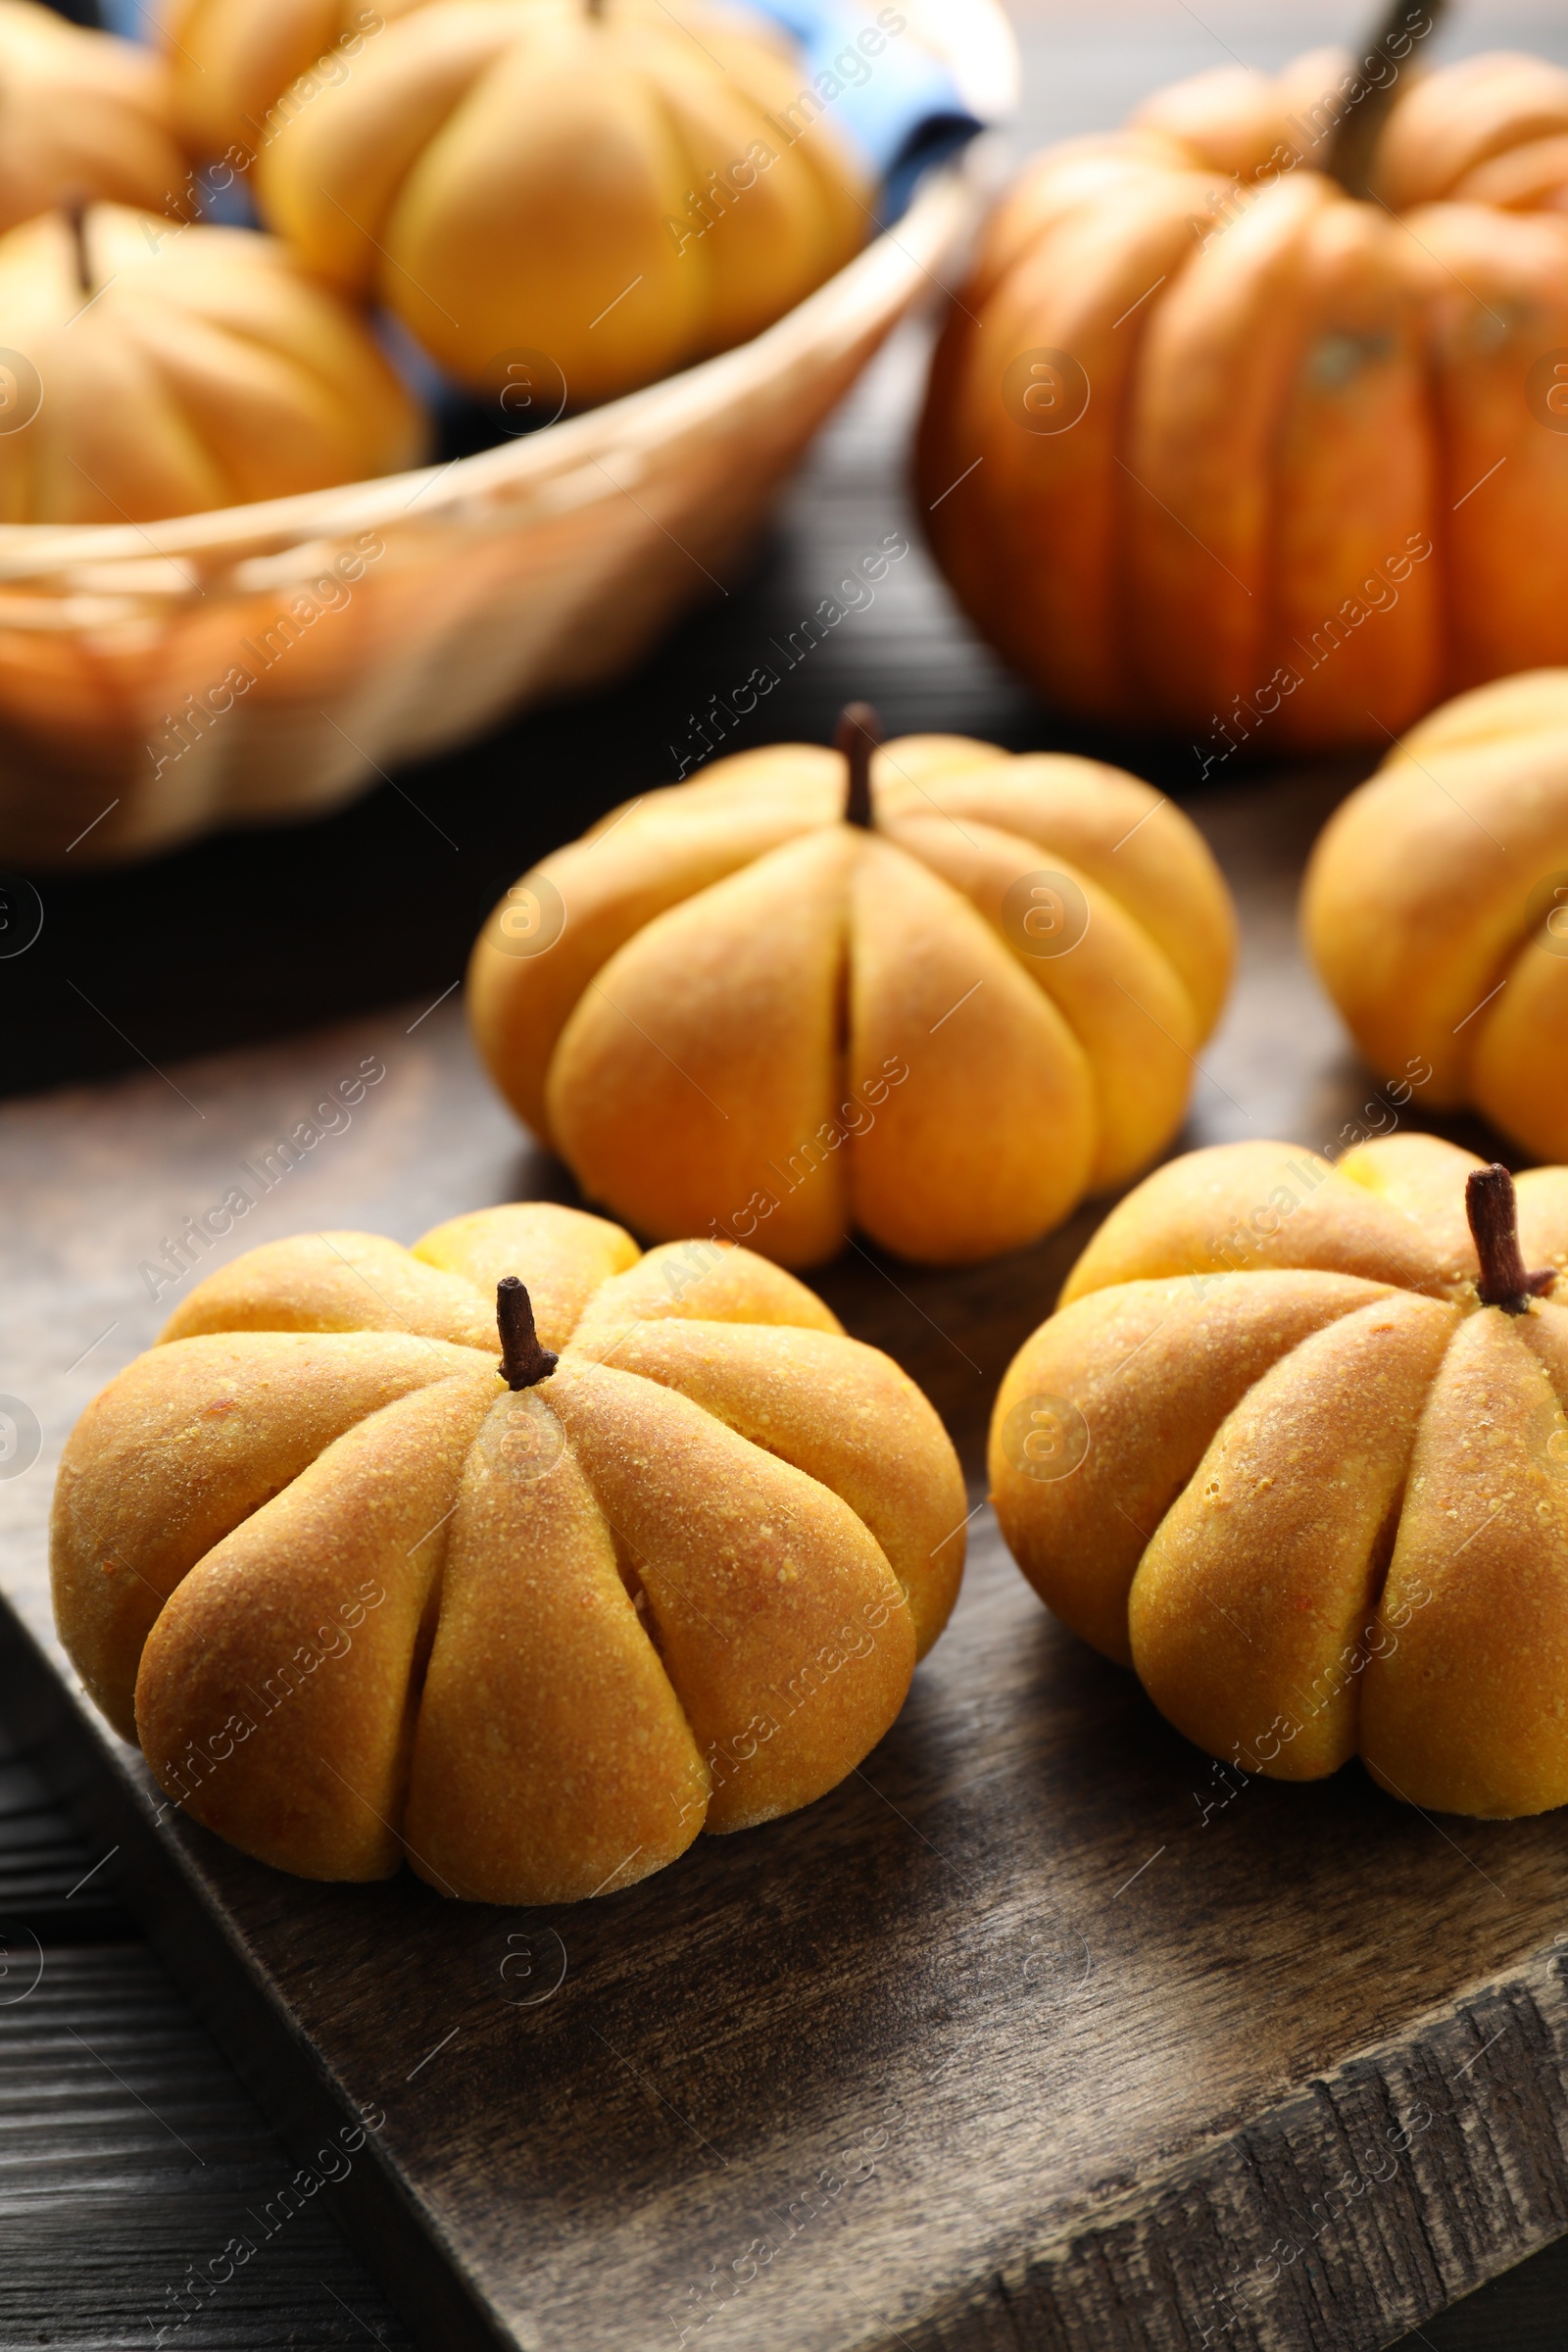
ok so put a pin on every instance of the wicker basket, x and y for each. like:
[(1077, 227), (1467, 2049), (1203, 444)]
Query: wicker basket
[(264, 662)]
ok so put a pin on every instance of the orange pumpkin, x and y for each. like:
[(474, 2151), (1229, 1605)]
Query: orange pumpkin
[(1217, 444)]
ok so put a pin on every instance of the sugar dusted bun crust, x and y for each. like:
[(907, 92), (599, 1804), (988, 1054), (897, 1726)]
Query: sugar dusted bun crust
[(362, 1601)]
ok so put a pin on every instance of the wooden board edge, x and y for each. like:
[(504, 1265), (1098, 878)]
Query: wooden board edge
[(1179, 2265), (392, 2232), (1465, 2118)]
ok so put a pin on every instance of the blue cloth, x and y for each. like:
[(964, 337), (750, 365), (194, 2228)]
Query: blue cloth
[(898, 108)]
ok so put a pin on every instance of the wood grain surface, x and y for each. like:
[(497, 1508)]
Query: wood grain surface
[(1079, 2061)]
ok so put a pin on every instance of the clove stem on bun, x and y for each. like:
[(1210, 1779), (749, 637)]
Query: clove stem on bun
[(523, 1363), (1492, 1209), (857, 735), (74, 210)]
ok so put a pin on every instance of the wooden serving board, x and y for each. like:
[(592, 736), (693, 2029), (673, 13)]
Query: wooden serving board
[(1041, 2030)]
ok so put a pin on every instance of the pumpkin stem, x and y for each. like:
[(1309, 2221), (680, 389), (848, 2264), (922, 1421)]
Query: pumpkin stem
[(74, 210), (1492, 1210), (858, 734), (523, 1363), (1354, 145)]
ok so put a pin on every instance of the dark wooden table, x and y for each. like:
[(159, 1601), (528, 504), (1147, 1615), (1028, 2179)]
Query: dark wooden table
[(130, 2149)]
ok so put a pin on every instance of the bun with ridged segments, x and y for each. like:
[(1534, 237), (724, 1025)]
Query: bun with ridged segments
[(1436, 907), (923, 991), (621, 187), (364, 1592), (1294, 1446), (173, 368), (87, 115)]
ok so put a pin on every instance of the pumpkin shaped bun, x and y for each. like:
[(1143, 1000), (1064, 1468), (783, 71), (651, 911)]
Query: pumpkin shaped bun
[(1294, 1446), (1436, 907), (84, 115), (1255, 413), (361, 1593), (623, 188), (230, 61), (929, 992), (177, 369)]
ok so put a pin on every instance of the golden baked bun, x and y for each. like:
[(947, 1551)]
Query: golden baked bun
[(936, 998), (230, 61), (622, 188), (83, 115), (1293, 1448), (175, 370), (364, 1595), (1436, 907)]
